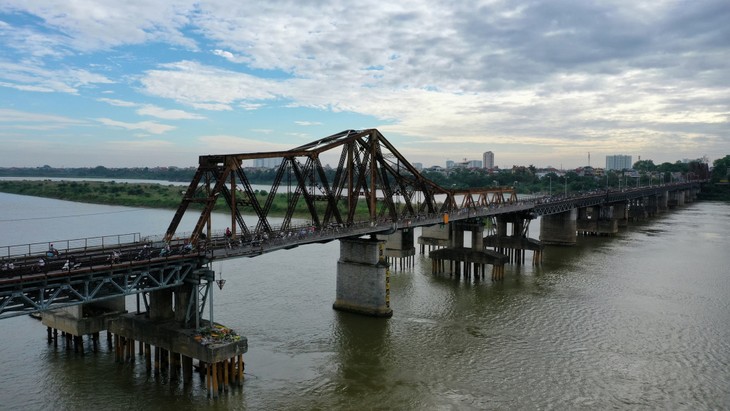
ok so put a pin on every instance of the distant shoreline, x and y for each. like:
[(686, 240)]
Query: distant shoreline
[(146, 195)]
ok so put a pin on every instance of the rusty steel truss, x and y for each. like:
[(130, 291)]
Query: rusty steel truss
[(372, 181)]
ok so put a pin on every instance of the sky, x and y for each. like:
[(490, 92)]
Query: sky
[(140, 83)]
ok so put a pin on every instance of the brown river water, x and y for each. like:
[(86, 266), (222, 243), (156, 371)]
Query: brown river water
[(640, 320)]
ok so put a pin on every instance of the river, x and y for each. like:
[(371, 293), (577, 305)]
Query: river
[(640, 320)]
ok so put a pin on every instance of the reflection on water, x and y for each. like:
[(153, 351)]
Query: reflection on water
[(638, 320)]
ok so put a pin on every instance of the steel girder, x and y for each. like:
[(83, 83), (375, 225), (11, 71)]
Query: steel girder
[(40, 292), (371, 174)]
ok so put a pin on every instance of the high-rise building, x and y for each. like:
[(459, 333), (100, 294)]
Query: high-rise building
[(488, 160), (450, 163), (618, 162)]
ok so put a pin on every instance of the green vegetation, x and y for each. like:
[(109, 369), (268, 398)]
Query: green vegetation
[(254, 175), (719, 189), (143, 195), (99, 192), (141, 173)]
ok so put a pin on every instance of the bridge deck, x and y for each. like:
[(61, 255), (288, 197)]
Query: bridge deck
[(99, 268)]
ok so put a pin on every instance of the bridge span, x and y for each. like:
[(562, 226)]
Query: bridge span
[(370, 202)]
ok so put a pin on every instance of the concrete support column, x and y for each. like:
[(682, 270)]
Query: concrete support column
[(477, 238), (559, 229), (187, 366), (400, 247), (651, 205), (457, 236), (663, 201), (362, 278), (517, 227), (161, 305), (182, 295), (501, 227)]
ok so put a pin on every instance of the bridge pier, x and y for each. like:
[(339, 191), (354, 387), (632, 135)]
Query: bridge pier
[(514, 246), (663, 201), (434, 237), (677, 198), (637, 209), (596, 220), (620, 213), (169, 342), (80, 320), (559, 229), (456, 259), (400, 248), (651, 205), (363, 278)]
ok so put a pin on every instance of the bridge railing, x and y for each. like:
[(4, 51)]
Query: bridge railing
[(66, 246)]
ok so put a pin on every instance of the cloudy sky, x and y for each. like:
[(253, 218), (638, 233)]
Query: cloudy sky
[(157, 83)]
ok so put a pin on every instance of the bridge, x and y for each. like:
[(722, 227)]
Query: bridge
[(370, 202)]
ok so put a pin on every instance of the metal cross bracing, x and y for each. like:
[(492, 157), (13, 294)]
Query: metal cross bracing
[(56, 289), (372, 182)]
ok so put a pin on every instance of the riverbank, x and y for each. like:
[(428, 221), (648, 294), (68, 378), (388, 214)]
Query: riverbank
[(99, 192), (148, 195)]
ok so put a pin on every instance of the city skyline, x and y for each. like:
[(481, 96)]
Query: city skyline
[(119, 85)]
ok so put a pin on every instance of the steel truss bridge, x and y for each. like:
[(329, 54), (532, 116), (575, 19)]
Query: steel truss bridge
[(373, 189)]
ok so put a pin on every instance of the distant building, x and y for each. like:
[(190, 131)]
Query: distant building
[(418, 166), (618, 162), (267, 162), (450, 163), (488, 159)]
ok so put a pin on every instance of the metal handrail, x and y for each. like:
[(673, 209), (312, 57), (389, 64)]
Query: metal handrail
[(66, 246)]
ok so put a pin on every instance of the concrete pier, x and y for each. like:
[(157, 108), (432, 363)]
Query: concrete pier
[(637, 209), (400, 250), (434, 237), (559, 229), (81, 320), (169, 339), (621, 213), (596, 220), (468, 262), (175, 348), (513, 245), (363, 278)]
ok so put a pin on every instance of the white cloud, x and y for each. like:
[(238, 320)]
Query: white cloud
[(154, 111), (230, 56), (148, 126), (118, 103), (558, 75), (24, 117), (30, 76), (206, 87), (91, 25)]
